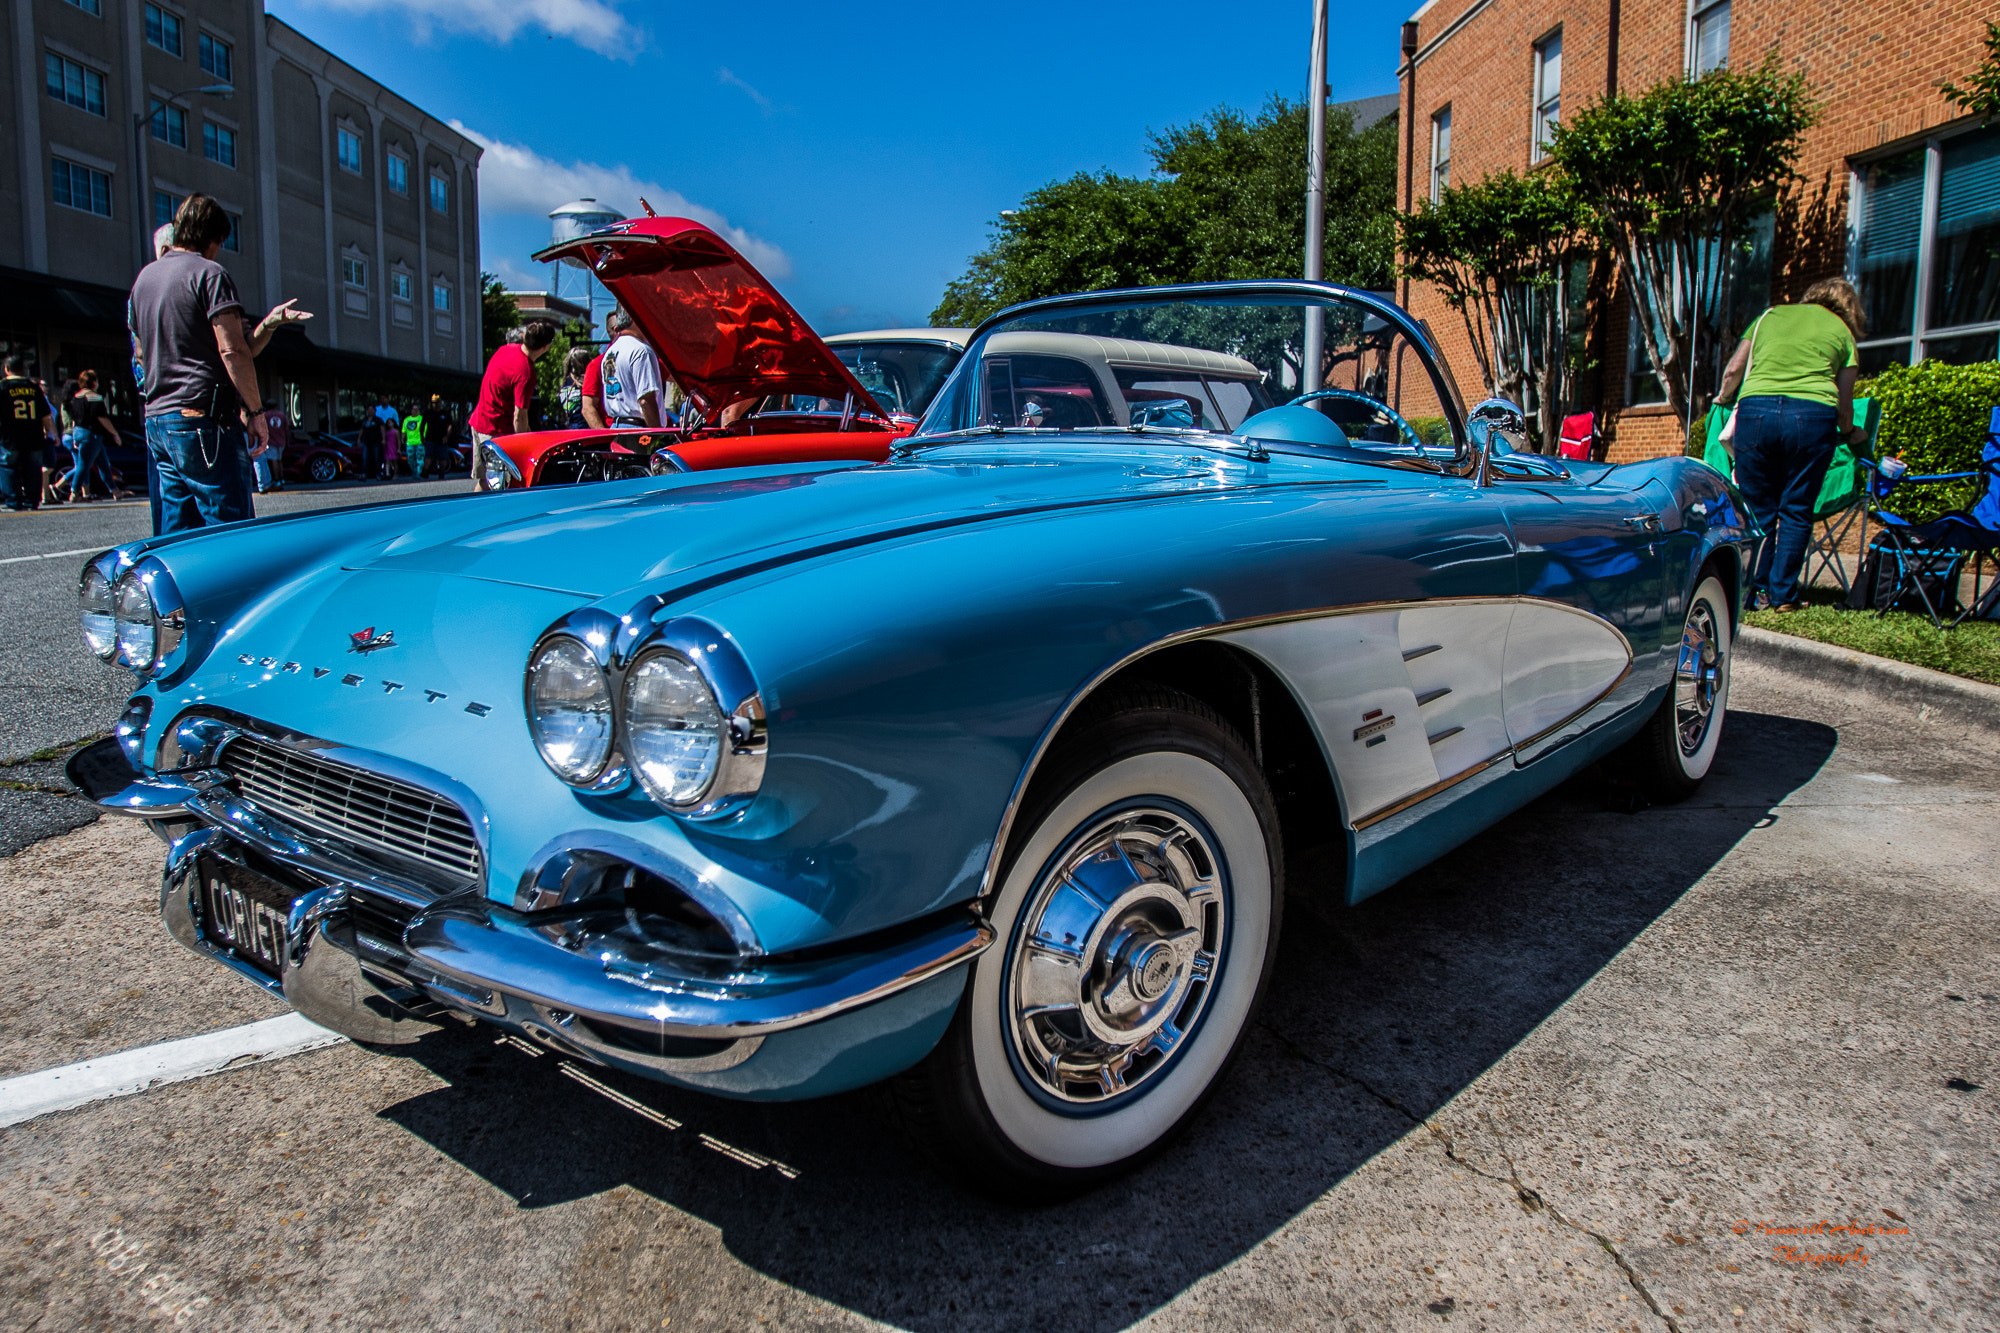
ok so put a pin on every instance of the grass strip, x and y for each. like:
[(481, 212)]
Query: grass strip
[(1972, 650)]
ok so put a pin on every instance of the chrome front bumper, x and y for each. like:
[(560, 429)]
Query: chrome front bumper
[(549, 974)]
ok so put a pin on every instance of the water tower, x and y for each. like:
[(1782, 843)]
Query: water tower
[(572, 220)]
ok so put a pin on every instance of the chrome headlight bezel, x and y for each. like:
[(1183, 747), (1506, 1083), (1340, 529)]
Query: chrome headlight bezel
[(609, 773), (163, 627), (621, 645)]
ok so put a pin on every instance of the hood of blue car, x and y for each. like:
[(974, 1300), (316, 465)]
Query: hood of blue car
[(695, 530)]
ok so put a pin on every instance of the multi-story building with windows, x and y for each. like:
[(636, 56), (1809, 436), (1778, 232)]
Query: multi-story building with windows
[(346, 197), (1901, 192)]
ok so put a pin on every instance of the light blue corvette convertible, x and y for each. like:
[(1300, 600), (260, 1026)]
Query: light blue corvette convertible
[(976, 771)]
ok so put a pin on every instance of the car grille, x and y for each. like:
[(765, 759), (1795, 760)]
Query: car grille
[(364, 808)]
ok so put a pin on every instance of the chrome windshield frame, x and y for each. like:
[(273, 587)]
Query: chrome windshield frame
[(1281, 290)]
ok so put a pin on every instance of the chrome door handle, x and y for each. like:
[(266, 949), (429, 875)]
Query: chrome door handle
[(1644, 522)]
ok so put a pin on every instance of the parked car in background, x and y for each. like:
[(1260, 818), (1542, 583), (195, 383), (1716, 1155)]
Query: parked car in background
[(982, 769), (726, 336), (321, 456)]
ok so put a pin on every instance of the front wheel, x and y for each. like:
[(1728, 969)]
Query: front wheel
[(323, 468), (1136, 922), (1674, 751)]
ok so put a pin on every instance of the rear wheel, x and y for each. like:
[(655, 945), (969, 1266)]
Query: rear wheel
[(1136, 920), (1672, 755), (323, 468)]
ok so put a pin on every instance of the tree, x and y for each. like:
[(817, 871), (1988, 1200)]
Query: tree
[(1676, 175), (497, 314), (549, 371), (1513, 255), (1981, 95), (1226, 200)]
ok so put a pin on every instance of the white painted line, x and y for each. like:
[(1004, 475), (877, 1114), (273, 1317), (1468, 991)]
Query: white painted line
[(127, 1072), (52, 555)]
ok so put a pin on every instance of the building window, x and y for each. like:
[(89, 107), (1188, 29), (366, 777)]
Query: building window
[(216, 58), (164, 207), (163, 30), (354, 282), (1931, 287), (440, 192), (170, 124), (92, 7), (348, 143), (78, 85), (400, 286), (1708, 37), (233, 242), (1440, 153), (77, 186), (354, 272), (1548, 91), (441, 297), (218, 144), (399, 172)]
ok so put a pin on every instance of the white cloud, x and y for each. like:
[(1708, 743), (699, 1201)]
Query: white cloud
[(515, 179), (595, 25), (731, 79)]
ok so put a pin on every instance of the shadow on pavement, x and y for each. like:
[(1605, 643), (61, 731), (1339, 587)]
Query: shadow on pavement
[(1415, 993)]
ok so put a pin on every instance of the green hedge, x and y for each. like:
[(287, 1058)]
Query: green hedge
[(1934, 418), (1435, 431)]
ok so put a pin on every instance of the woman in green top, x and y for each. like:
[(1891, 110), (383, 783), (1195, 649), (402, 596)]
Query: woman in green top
[(413, 445), (1793, 380)]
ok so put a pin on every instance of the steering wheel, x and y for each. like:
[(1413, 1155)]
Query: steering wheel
[(1403, 428)]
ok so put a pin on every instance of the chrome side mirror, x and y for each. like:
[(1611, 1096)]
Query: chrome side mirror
[(1497, 428)]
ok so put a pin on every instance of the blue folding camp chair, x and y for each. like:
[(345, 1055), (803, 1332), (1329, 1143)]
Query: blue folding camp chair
[(1929, 557)]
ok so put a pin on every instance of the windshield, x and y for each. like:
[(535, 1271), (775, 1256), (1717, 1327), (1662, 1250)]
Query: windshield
[(903, 376), (1275, 366)]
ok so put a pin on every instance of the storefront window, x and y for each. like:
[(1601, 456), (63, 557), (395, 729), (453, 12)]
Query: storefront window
[(1931, 284)]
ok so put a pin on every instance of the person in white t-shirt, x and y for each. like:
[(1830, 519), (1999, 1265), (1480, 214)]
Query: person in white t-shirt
[(631, 371)]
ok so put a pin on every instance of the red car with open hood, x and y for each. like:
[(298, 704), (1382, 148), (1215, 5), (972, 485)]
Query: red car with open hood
[(725, 335)]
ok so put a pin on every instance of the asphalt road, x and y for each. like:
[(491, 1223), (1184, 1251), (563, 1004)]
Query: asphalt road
[(52, 691), (1592, 1070)]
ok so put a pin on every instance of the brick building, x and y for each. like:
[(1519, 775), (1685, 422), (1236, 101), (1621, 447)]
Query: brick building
[(1900, 193)]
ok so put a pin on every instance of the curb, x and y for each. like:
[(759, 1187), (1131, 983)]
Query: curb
[(1932, 696)]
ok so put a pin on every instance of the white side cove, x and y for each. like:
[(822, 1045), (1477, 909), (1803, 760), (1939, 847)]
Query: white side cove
[(1408, 699)]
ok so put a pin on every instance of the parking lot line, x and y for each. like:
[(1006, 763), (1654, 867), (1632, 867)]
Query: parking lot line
[(127, 1072), (50, 555)]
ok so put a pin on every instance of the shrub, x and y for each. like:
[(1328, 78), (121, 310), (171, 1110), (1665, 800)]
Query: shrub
[(1433, 431), (1934, 418)]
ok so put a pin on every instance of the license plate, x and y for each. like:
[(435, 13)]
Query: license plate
[(244, 912)]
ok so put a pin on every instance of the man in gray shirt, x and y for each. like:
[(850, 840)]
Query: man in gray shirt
[(196, 376)]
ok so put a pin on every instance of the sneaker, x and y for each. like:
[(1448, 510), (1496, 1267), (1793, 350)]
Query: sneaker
[(1786, 608)]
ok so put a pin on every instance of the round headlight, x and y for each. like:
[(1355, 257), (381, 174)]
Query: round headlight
[(100, 629), (673, 729), (569, 710), (132, 609), (493, 473)]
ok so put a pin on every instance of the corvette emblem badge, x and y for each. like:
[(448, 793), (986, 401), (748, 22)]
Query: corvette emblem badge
[(368, 641)]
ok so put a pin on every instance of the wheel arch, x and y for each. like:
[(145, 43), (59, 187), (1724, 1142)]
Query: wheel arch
[(1262, 709), (1727, 564)]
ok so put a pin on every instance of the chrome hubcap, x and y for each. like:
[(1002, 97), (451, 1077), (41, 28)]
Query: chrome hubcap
[(1697, 678), (1118, 951)]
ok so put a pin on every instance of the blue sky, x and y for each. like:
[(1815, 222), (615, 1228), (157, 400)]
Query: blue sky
[(857, 152)]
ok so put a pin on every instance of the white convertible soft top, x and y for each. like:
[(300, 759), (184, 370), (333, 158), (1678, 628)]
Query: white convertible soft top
[(1128, 354)]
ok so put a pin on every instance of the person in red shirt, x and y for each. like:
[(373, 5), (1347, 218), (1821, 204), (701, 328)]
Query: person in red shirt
[(593, 393), (505, 392)]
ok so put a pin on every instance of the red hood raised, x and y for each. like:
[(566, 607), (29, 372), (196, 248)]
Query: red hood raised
[(720, 327)]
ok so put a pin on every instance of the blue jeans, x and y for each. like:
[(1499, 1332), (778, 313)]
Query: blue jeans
[(203, 471), (1783, 447), (88, 450), (20, 478)]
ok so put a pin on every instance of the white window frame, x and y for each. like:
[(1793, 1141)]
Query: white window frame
[(354, 294), (1440, 139), (179, 50), (219, 129), (1547, 101), (216, 39), (441, 288), (84, 70), (92, 167), (1698, 10), (344, 126)]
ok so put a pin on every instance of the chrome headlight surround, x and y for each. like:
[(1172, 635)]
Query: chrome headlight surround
[(593, 634), (146, 614), (621, 645), (497, 471)]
